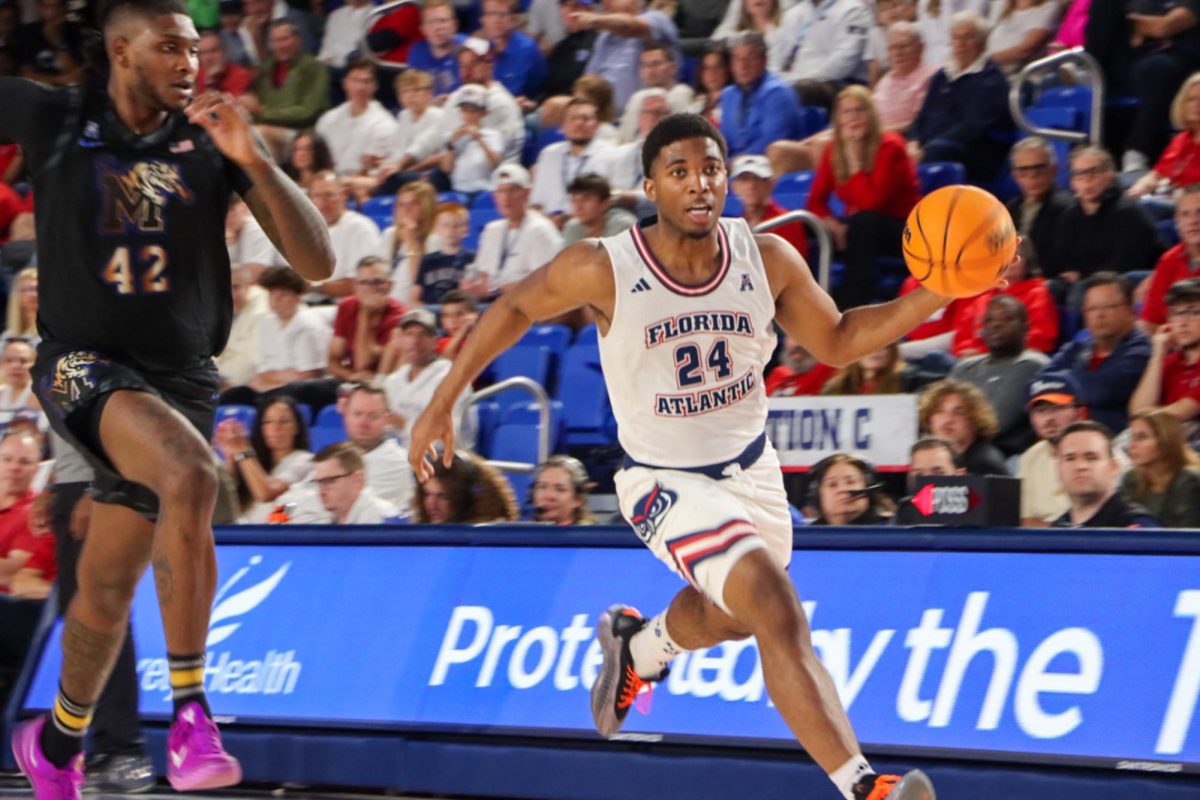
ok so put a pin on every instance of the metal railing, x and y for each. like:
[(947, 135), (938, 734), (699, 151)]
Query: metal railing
[(543, 401), (376, 15), (813, 223), (1078, 56)]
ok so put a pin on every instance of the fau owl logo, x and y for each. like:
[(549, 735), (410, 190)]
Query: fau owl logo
[(649, 511), (133, 196)]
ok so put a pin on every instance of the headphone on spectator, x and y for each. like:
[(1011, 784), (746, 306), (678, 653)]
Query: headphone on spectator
[(817, 474)]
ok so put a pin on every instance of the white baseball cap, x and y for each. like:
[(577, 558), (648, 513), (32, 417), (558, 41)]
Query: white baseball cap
[(513, 174), (477, 45), (754, 165), (472, 95)]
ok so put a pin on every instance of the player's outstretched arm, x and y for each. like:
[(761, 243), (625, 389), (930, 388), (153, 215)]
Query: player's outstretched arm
[(287, 216), (808, 314), (578, 276)]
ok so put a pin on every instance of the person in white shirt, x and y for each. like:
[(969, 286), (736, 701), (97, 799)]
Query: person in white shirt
[(659, 69), (268, 461), (388, 473), (764, 17), (562, 162), (516, 244), (354, 236), (473, 150), (340, 475), (830, 40), (475, 66), (410, 388), (621, 166), (361, 132), (247, 242), (16, 393), (1021, 32), (293, 341), (343, 30), (238, 362), (418, 114)]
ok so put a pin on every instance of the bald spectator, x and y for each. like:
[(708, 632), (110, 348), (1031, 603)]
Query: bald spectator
[(354, 236), (360, 132), (624, 25), (520, 65), (340, 475), (292, 87), (593, 214), (218, 73), (759, 107), (1005, 372), (343, 30), (435, 53)]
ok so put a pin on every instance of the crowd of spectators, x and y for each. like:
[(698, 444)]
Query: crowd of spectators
[(517, 130)]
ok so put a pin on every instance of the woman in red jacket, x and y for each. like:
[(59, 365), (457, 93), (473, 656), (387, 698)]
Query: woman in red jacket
[(1025, 282), (871, 174), (1179, 164)]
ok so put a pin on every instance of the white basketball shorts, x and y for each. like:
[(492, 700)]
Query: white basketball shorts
[(700, 527)]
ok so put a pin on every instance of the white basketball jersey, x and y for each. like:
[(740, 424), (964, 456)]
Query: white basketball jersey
[(684, 364)]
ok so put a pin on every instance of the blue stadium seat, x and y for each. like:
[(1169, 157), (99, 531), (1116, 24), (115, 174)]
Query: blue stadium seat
[(815, 119), (555, 338), (487, 414), (1058, 117), (1078, 98), (516, 443), (733, 206), (536, 144), (791, 190), (525, 361), (243, 414), (453, 197), (305, 412), (321, 436), (936, 174), (527, 414), (589, 334), (1167, 232), (380, 209), (483, 202), (329, 416), (587, 412)]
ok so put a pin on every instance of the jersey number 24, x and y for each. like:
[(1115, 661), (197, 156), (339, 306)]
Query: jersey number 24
[(691, 368), (143, 275)]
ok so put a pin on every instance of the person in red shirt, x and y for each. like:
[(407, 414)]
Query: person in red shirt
[(1180, 262), (217, 72), (1025, 283), (753, 181), (1179, 164), (799, 374), (20, 454), (1172, 376), (364, 323), (935, 335), (872, 175)]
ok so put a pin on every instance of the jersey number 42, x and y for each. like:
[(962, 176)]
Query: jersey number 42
[(145, 275)]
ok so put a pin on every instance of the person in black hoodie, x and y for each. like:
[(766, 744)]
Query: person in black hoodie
[(1103, 230), (1038, 208)]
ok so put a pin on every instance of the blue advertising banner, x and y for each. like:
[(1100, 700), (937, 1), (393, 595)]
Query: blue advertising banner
[(1069, 656)]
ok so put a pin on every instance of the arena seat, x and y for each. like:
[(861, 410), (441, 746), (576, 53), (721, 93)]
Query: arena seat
[(380, 209), (1078, 98), (453, 197), (733, 206), (555, 338), (586, 410), (528, 414), (791, 190), (242, 413), (815, 119), (936, 174), (329, 428), (524, 361), (516, 443), (589, 334), (487, 413)]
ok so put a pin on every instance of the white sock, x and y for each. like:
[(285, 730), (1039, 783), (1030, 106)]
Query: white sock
[(653, 648), (848, 774)]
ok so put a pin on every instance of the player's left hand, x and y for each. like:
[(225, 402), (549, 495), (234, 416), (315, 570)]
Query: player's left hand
[(228, 126)]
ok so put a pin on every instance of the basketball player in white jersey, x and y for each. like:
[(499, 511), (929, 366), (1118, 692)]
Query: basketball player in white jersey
[(685, 304)]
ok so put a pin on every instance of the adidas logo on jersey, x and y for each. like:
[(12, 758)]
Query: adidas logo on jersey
[(642, 285)]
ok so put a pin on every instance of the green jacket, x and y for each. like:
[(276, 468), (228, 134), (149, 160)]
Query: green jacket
[(1178, 507), (302, 97)]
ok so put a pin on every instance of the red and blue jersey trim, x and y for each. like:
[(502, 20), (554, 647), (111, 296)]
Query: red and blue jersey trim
[(660, 272), (693, 549)]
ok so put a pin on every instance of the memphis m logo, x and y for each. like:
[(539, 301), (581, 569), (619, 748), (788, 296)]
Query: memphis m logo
[(134, 196)]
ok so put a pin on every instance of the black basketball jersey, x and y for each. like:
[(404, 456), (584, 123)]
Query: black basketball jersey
[(130, 229)]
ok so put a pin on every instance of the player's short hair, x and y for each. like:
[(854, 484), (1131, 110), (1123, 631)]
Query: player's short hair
[(369, 389), (1096, 151), (347, 454), (590, 183), (113, 11), (1008, 299), (1034, 143), (1183, 292), (363, 63), (580, 100), (1109, 278), (284, 278), (935, 443), (1086, 426), (676, 128), (458, 296), (659, 46)]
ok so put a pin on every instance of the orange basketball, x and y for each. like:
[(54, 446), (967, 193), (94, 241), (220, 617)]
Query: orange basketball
[(958, 240)]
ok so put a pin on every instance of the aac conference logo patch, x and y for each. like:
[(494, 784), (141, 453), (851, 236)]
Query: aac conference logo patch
[(650, 510)]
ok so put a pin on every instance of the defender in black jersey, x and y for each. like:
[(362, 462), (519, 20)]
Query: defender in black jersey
[(132, 178)]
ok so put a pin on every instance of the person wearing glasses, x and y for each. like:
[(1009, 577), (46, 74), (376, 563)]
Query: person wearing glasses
[(1108, 363), (1103, 229), (341, 479), (1179, 263), (1172, 376), (1037, 209)]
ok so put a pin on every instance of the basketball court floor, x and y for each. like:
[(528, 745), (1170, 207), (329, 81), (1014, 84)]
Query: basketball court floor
[(17, 789)]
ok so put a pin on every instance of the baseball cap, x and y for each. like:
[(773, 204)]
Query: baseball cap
[(1056, 388), (479, 46), (514, 174), (752, 165), (472, 95), (420, 316)]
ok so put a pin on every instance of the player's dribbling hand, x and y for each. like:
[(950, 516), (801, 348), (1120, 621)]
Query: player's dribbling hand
[(436, 424), (227, 124)]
